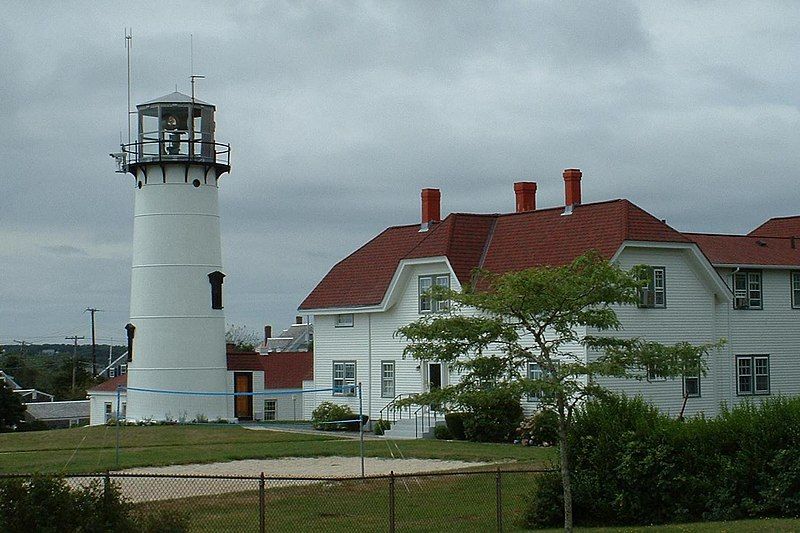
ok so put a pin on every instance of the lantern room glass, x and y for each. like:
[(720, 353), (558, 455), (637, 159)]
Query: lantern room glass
[(176, 131)]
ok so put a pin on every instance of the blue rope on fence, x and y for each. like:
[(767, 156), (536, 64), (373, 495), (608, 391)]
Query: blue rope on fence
[(217, 393)]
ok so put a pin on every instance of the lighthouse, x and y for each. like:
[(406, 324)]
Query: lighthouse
[(176, 334)]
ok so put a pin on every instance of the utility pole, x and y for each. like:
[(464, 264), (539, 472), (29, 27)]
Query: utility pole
[(22, 345), (74, 339), (92, 310)]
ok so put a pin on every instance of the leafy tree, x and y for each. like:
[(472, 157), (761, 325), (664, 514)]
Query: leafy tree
[(12, 412), (499, 324), (244, 339)]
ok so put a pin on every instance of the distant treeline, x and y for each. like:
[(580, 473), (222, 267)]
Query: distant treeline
[(84, 350)]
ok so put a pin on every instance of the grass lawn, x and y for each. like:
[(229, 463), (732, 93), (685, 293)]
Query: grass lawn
[(92, 449)]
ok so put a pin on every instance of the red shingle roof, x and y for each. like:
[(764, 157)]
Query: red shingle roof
[(110, 385), (499, 243), (287, 370), (747, 250), (779, 227), (282, 370)]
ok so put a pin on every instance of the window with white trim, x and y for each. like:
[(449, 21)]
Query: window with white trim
[(752, 375), (344, 378), (654, 294), (747, 290), (270, 409), (344, 320), (795, 279), (652, 375), (426, 303), (387, 379), (535, 372), (691, 385)]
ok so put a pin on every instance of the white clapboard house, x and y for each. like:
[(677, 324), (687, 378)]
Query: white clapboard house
[(744, 288)]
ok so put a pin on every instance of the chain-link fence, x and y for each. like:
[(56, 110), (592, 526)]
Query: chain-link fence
[(449, 501)]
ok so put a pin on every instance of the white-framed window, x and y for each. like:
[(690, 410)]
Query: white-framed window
[(655, 293), (752, 375), (387, 379), (108, 411), (112, 373), (747, 290), (344, 321), (270, 409), (652, 375), (691, 385), (795, 279), (535, 372), (123, 368), (344, 378), (428, 304)]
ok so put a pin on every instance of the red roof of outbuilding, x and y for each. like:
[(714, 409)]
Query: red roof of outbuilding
[(110, 385), (287, 370), (747, 250), (496, 242), (779, 227), (243, 361)]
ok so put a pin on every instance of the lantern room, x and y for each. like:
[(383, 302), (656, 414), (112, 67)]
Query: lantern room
[(175, 128)]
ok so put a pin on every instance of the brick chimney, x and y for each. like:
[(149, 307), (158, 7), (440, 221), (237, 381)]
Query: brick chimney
[(572, 186), (267, 333), (298, 319), (431, 208), (525, 191)]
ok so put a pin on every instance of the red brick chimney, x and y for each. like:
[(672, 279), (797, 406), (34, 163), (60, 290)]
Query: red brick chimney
[(525, 191), (267, 333), (572, 186), (431, 207)]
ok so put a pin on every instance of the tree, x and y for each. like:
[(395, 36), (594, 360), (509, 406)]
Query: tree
[(499, 324), (244, 339), (12, 411)]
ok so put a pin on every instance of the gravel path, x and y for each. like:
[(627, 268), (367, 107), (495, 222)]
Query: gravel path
[(141, 489)]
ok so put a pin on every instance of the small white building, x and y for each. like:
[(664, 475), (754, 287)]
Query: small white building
[(744, 288)]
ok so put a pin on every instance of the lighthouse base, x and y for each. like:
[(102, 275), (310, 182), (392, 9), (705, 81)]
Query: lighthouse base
[(181, 395)]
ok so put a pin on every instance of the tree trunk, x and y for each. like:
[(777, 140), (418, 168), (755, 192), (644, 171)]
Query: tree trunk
[(565, 466)]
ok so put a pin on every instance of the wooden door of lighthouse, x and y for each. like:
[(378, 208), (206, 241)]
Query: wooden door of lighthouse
[(243, 405)]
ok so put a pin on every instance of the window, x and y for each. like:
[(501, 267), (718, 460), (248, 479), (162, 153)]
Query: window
[(270, 409), (652, 375), (428, 304), (535, 372), (344, 321), (344, 378), (655, 293), (752, 374), (691, 385), (796, 289), (387, 379), (747, 290), (108, 411), (112, 373), (215, 279)]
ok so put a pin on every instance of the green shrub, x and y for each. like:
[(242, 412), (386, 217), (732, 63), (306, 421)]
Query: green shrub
[(539, 429), (495, 419), (381, 426), (633, 465), (441, 432), (161, 520), (455, 423), (47, 504), (332, 412)]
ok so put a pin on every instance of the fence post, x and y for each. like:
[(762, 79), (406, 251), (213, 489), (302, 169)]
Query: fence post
[(499, 496), (107, 492), (262, 523), (391, 502)]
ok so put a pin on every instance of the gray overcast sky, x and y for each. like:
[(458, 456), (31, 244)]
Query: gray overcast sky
[(338, 113)]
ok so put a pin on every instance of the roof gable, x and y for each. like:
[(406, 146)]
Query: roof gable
[(779, 227)]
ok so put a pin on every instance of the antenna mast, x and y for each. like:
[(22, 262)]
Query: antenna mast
[(192, 75), (128, 43)]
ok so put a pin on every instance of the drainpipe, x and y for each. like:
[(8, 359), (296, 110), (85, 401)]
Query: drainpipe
[(731, 358), (369, 368)]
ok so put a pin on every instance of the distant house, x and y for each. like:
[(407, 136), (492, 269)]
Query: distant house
[(299, 337), (702, 287), (27, 395), (271, 378), (59, 414)]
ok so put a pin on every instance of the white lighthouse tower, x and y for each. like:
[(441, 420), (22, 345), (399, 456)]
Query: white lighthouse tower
[(176, 335)]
